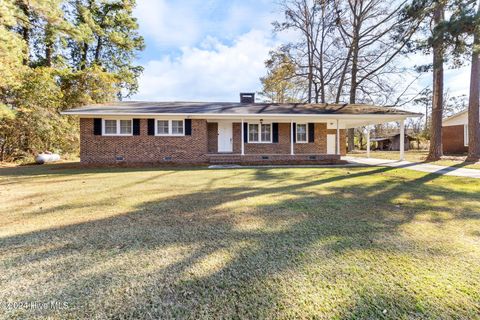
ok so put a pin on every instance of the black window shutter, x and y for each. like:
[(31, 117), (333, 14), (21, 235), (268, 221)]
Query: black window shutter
[(151, 127), (311, 132), (275, 132), (294, 132), (97, 126), (136, 127), (245, 132), (188, 127)]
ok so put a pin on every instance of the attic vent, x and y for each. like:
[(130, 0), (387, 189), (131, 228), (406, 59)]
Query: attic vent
[(247, 97)]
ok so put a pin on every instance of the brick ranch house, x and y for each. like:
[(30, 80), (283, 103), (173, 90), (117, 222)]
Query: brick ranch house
[(207, 132), (455, 133)]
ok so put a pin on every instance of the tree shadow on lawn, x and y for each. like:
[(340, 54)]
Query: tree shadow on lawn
[(81, 169), (304, 250)]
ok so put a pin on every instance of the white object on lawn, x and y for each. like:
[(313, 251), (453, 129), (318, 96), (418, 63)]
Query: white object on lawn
[(46, 157)]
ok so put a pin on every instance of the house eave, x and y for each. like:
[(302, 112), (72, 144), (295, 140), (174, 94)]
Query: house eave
[(240, 116)]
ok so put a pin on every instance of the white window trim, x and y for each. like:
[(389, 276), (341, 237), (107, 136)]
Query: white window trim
[(170, 128), (465, 135), (118, 128), (260, 132), (296, 133)]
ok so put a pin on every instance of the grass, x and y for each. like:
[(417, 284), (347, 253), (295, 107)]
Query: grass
[(371, 243), (419, 156)]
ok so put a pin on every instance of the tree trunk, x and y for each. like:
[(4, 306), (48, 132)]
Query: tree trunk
[(474, 103), (342, 77), (98, 50), (25, 31), (2, 150), (353, 81), (48, 45), (435, 151), (84, 62), (310, 73), (360, 139)]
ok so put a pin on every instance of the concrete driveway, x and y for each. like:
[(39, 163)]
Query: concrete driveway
[(417, 166)]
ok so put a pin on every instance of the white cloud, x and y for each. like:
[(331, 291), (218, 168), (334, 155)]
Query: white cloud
[(171, 23), (458, 80), (168, 24), (211, 71)]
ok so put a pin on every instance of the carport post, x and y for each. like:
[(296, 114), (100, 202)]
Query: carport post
[(337, 140), (368, 142), (402, 140), (291, 138), (243, 140)]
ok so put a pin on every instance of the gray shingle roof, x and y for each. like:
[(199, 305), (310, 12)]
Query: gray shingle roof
[(143, 107)]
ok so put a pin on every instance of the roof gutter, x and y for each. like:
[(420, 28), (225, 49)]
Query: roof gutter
[(245, 116)]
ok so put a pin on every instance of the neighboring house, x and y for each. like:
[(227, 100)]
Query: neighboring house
[(455, 133), (391, 142), (208, 132)]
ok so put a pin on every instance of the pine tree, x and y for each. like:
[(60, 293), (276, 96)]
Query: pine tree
[(109, 38), (474, 105)]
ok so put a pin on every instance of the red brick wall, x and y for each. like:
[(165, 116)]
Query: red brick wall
[(143, 148), (212, 137), (452, 139), (189, 149)]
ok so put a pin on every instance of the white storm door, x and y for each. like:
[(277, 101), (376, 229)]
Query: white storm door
[(225, 138), (331, 140)]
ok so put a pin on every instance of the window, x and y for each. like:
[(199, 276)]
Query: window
[(301, 133), (177, 127), (110, 126), (125, 126), (253, 132), (261, 133), (465, 135), (162, 127), (266, 133), (115, 127), (170, 127)]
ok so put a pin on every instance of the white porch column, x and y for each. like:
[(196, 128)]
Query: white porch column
[(402, 140), (337, 140), (368, 142), (291, 138), (243, 139)]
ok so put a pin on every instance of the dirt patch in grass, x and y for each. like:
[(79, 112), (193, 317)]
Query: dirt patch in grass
[(246, 243)]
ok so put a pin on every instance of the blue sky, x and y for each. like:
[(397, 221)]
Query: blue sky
[(211, 50)]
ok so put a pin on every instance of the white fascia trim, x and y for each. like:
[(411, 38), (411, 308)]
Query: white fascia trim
[(245, 116)]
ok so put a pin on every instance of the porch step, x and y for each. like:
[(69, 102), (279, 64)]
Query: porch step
[(219, 159)]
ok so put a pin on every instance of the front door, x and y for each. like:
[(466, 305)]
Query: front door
[(331, 142), (225, 139)]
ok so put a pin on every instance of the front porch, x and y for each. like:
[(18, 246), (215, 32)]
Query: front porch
[(288, 140), (274, 141)]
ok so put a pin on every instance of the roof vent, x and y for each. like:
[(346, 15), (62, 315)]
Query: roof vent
[(247, 97)]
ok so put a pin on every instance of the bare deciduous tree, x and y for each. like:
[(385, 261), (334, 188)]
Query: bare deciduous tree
[(375, 34)]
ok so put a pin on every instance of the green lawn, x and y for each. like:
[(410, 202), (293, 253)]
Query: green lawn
[(419, 156), (352, 243)]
